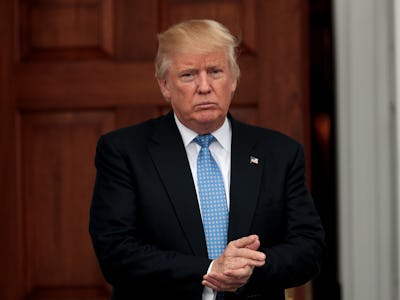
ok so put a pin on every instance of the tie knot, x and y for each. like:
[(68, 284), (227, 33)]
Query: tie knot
[(204, 140)]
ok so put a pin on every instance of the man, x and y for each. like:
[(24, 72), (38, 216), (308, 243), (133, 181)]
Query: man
[(195, 204)]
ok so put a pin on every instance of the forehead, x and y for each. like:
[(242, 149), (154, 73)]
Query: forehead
[(199, 60)]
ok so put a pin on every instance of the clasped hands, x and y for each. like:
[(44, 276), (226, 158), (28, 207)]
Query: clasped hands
[(234, 267)]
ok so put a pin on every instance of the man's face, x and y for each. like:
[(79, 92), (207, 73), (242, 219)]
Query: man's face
[(200, 88)]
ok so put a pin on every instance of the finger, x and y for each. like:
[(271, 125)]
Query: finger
[(219, 288), (249, 254), (210, 285), (217, 281), (237, 282), (245, 241), (215, 277), (239, 274), (240, 262), (223, 282)]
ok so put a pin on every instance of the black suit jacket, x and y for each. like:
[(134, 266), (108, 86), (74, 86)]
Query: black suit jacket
[(146, 226)]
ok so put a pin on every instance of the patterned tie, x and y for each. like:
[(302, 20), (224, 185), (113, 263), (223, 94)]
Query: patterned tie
[(213, 204)]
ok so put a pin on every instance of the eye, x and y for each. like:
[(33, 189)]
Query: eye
[(216, 72), (187, 76)]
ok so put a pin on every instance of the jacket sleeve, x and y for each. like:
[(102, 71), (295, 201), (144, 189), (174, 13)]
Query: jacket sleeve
[(297, 258), (125, 256)]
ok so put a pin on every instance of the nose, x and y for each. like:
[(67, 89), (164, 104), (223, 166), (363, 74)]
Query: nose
[(203, 84)]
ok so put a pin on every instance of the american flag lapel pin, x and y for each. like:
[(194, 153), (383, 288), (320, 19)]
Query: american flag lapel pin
[(254, 160)]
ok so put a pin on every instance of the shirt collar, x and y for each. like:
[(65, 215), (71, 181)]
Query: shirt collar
[(223, 134)]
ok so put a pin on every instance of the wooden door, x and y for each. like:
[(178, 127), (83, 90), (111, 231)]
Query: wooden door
[(74, 69)]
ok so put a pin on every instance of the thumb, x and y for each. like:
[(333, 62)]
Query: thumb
[(254, 246)]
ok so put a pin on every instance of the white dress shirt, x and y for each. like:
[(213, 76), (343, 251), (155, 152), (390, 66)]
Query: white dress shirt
[(221, 152)]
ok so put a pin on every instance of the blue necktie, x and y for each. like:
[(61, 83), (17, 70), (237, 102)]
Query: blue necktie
[(214, 211)]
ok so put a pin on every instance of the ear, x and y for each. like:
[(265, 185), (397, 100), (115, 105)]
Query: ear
[(233, 85), (164, 88)]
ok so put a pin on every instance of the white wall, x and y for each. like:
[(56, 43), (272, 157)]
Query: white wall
[(396, 31), (367, 166)]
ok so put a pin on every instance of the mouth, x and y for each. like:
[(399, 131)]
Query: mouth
[(205, 105)]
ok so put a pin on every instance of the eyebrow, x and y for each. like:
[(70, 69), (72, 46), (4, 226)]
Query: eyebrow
[(188, 70), (191, 69)]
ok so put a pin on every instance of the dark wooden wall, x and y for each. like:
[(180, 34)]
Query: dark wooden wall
[(73, 69)]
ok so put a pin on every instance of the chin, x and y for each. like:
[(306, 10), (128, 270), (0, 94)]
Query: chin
[(209, 116), (210, 121)]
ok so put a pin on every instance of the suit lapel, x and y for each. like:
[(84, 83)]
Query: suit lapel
[(246, 171), (170, 159)]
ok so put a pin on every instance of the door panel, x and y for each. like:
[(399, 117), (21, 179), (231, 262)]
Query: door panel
[(66, 29), (57, 179), (74, 69)]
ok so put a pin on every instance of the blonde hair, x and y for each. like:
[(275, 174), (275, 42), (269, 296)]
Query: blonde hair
[(195, 36)]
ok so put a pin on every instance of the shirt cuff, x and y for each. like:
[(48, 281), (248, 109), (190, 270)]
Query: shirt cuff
[(209, 294), (209, 267)]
